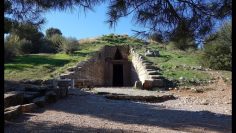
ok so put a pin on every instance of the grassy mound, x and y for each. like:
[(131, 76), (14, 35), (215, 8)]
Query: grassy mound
[(173, 63)]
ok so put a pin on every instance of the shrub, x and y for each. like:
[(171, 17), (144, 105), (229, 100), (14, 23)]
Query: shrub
[(218, 51), (56, 42), (24, 47), (217, 56), (9, 52), (47, 47), (52, 31), (70, 45), (10, 49)]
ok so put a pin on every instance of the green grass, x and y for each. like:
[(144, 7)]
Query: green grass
[(169, 59), (45, 66)]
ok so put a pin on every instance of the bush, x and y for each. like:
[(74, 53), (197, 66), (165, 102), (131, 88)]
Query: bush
[(9, 52), (47, 47), (10, 49), (218, 51), (70, 45), (217, 56), (56, 42), (52, 31), (24, 47)]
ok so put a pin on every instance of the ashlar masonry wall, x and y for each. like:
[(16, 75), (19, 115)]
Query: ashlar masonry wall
[(100, 69)]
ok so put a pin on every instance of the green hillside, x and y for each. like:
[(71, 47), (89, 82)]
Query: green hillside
[(174, 64)]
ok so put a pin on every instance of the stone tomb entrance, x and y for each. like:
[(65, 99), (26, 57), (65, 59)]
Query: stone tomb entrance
[(118, 75), (117, 66), (118, 69)]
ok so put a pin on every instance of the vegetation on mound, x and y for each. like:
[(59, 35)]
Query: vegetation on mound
[(174, 63), (44, 66)]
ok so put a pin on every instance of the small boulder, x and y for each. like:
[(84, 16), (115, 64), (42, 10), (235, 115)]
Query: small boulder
[(12, 112), (39, 101), (29, 96), (51, 96), (13, 98), (147, 84), (48, 82), (158, 83), (138, 85), (35, 88), (27, 108)]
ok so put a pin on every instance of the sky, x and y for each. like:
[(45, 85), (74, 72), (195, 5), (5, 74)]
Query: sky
[(79, 25)]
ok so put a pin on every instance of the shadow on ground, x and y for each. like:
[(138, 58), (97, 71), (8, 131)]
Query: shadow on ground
[(129, 112)]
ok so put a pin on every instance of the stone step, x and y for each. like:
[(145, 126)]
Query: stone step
[(150, 70), (151, 67), (147, 63), (13, 98), (157, 77), (39, 101), (158, 83), (70, 69), (154, 73), (12, 112), (64, 75)]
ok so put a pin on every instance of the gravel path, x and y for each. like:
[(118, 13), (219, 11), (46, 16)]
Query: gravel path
[(87, 112)]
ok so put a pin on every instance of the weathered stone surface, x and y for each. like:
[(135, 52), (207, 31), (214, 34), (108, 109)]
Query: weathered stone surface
[(35, 82), (51, 96), (12, 112), (13, 98), (152, 53), (35, 88), (147, 84), (27, 108), (63, 92), (157, 77), (39, 101), (70, 69), (153, 73), (79, 83), (12, 86), (158, 83), (151, 67), (65, 76), (64, 83), (152, 99), (138, 85), (145, 61), (48, 82), (29, 96)]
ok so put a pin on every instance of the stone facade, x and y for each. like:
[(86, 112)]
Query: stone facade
[(147, 72), (98, 71), (111, 66)]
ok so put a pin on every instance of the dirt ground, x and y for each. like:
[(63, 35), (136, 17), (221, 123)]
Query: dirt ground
[(81, 111)]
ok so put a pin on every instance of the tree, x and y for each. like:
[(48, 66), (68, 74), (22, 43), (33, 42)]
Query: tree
[(218, 49), (163, 16), (29, 32), (157, 37), (57, 42), (52, 31)]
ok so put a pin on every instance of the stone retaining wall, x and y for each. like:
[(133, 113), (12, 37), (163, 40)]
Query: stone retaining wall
[(147, 72), (98, 70), (31, 97)]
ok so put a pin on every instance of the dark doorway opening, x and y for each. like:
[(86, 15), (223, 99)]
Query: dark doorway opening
[(117, 75), (118, 55)]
